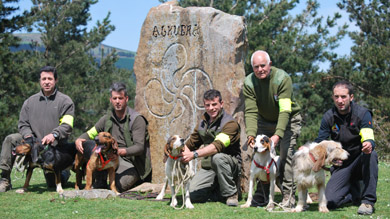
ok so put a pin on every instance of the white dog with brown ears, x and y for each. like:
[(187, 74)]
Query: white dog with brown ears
[(263, 167), (309, 169), (177, 173)]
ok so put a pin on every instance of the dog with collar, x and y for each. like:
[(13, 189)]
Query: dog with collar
[(49, 158), (309, 169), (176, 172), (99, 159), (263, 167)]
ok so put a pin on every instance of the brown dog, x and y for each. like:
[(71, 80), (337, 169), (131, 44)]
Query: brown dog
[(106, 146)]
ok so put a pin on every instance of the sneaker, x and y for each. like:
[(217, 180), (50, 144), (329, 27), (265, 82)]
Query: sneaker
[(5, 185), (232, 200), (366, 209), (288, 201)]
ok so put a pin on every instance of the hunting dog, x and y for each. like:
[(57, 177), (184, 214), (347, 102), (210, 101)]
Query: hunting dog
[(49, 158), (176, 172), (264, 167), (105, 147), (309, 169)]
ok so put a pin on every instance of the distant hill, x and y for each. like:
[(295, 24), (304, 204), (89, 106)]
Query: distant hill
[(125, 57)]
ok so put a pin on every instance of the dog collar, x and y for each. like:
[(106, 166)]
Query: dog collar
[(265, 168), (172, 157)]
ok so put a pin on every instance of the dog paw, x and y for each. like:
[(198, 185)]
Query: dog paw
[(308, 199), (159, 197), (270, 207), (297, 209), (246, 205), (323, 209), (189, 205), (173, 203), (21, 191)]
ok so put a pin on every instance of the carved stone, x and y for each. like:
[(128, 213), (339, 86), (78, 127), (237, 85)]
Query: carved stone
[(182, 53)]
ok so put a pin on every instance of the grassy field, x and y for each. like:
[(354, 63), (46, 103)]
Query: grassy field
[(42, 203)]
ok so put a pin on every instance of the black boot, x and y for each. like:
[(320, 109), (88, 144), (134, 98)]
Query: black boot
[(261, 196)]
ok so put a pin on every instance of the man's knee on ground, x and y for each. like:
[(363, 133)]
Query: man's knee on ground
[(199, 196)]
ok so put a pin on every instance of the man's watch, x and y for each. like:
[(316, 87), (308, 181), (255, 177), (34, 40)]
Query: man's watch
[(196, 155), (55, 135)]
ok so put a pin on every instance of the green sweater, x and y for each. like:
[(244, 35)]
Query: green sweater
[(271, 99)]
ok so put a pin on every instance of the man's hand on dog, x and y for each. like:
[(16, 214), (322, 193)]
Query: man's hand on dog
[(187, 155), (275, 139), (79, 145), (48, 139)]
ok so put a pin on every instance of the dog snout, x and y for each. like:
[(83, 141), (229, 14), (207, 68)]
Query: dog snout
[(181, 141), (255, 148)]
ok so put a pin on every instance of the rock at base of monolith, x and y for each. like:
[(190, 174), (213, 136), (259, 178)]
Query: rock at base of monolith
[(182, 53), (150, 187), (89, 194)]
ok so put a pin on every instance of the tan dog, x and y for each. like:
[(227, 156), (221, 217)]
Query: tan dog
[(308, 166), (264, 167), (176, 172), (105, 147)]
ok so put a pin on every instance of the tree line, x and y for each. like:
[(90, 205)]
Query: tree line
[(297, 43)]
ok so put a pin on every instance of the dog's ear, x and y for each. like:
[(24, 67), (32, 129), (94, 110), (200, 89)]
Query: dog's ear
[(319, 152), (167, 149)]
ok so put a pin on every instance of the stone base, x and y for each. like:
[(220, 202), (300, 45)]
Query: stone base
[(149, 188), (89, 194)]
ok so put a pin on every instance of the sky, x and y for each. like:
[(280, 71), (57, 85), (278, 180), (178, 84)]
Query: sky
[(128, 16)]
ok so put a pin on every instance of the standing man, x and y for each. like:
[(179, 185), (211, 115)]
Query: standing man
[(351, 125), (270, 109), (221, 166), (47, 115), (129, 128)]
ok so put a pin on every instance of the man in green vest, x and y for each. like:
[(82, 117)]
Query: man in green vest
[(221, 164), (270, 109), (129, 128)]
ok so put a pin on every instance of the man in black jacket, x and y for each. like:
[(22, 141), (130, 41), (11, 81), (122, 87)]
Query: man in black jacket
[(351, 125)]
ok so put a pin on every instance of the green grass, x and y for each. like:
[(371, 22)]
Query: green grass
[(42, 203)]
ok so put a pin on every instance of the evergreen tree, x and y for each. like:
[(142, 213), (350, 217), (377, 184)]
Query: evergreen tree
[(14, 78)]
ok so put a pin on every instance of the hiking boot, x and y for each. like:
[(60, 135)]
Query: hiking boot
[(288, 202), (232, 200), (366, 209), (5, 185)]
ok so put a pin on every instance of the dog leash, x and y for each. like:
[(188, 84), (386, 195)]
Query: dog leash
[(180, 179)]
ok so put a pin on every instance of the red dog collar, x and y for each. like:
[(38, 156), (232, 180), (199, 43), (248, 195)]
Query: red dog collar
[(265, 168)]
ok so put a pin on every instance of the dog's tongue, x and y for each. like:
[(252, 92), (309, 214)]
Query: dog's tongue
[(98, 149)]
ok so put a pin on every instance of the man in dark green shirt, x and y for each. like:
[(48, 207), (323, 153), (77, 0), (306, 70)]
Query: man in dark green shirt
[(129, 128), (270, 109)]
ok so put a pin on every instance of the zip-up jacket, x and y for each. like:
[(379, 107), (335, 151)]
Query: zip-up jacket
[(42, 115), (351, 130), (223, 132), (270, 99)]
